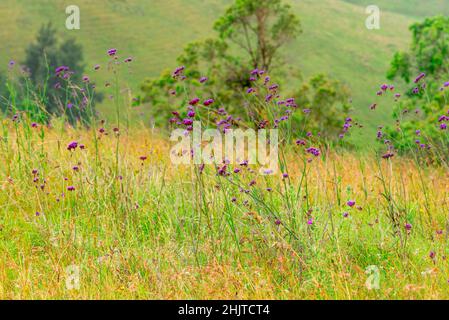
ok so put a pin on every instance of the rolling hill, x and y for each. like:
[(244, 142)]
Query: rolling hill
[(412, 8), (335, 40)]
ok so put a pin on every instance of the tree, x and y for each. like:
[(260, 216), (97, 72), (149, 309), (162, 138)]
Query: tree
[(260, 28), (424, 109), (42, 59), (327, 99), (251, 36), (429, 51), (41, 56)]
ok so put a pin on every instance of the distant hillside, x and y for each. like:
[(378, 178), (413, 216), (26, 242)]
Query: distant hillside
[(412, 8), (335, 40)]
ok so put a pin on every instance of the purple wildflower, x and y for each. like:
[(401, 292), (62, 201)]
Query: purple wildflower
[(314, 151), (194, 101), (222, 170), (208, 102), (388, 155), (112, 52), (61, 69), (408, 227), (268, 98), (255, 72), (351, 203), (178, 71), (72, 145), (418, 78)]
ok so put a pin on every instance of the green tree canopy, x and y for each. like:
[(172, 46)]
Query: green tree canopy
[(423, 112), (42, 58), (260, 28), (250, 36)]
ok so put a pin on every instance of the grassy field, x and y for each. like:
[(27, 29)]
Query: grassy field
[(335, 40), (102, 212), (148, 229), (412, 8)]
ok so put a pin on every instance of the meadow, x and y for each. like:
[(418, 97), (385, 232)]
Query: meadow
[(156, 232), (107, 202)]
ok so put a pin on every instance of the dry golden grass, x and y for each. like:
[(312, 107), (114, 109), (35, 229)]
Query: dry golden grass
[(150, 230)]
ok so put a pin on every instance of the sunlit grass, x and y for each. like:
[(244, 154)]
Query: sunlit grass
[(147, 229)]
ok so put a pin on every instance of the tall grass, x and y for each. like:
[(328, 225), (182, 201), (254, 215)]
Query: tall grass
[(138, 226)]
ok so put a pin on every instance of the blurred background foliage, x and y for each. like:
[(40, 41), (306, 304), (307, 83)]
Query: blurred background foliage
[(318, 52)]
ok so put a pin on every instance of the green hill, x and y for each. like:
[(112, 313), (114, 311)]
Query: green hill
[(412, 8), (335, 40)]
